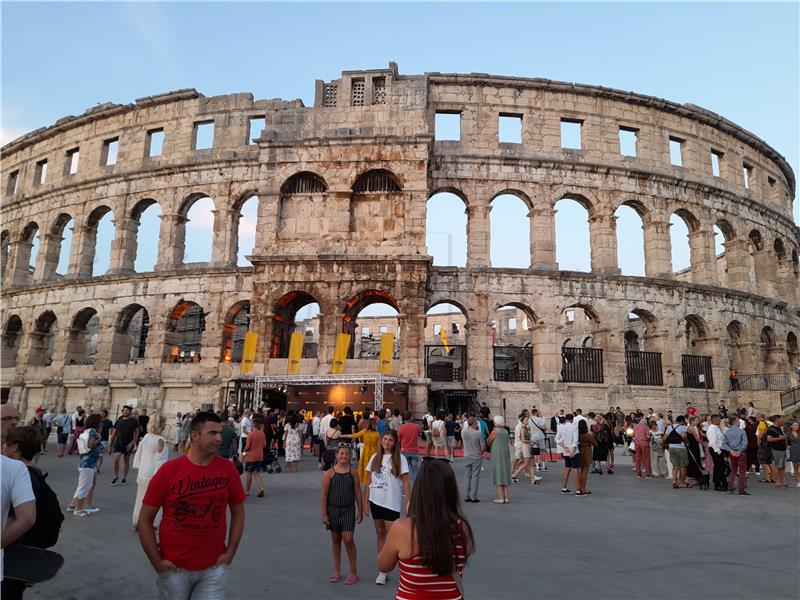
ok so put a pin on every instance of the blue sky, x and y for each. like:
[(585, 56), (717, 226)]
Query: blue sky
[(739, 60)]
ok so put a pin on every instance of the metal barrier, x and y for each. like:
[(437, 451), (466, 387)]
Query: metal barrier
[(790, 398), (513, 363), (693, 367), (582, 365), (756, 382), (446, 363), (643, 368)]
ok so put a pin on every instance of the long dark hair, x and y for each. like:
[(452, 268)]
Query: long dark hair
[(435, 512), (377, 463)]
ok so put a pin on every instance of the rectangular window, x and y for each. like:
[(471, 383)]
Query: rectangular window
[(571, 133), (109, 154), (365, 332), (509, 129), (255, 127), (771, 182), (384, 329), (203, 135), (40, 173), (357, 92), (716, 161), (155, 142), (329, 93), (447, 126), (676, 151), (379, 90), (628, 139), (73, 156), (437, 329), (454, 328), (747, 173), (512, 324), (570, 316), (13, 183)]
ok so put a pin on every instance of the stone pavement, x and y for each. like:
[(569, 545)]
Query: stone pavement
[(630, 539)]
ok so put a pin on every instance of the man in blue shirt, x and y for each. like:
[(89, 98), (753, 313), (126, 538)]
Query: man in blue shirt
[(734, 441)]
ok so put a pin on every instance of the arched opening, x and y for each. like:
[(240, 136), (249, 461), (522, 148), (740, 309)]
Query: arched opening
[(780, 249), (512, 342), (510, 232), (723, 234), (581, 358), (734, 341), (446, 229), (630, 239), (12, 334), (29, 248), (130, 335), (377, 206), (632, 343), (246, 219), (302, 205), (62, 230), (147, 215), (198, 229), (643, 349), (446, 342), (792, 353), (82, 338), (97, 245), (234, 329), (769, 360), (573, 242), (43, 340), (378, 311), (296, 311), (184, 333), (681, 224), (5, 251), (696, 358)]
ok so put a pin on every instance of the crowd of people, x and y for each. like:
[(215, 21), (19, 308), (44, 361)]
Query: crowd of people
[(376, 464)]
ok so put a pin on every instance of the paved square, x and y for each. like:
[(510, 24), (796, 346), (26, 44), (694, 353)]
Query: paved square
[(630, 539)]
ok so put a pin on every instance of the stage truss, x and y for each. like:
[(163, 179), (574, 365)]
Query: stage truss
[(377, 379)]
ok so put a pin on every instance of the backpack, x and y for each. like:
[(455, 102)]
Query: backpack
[(602, 436), (49, 517), (83, 443), (674, 437)]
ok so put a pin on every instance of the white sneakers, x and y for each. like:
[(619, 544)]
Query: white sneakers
[(381, 578)]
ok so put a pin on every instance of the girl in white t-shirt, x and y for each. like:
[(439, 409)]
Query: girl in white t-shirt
[(387, 483)]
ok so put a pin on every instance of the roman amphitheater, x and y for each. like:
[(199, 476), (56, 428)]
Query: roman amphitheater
[(342, 190)]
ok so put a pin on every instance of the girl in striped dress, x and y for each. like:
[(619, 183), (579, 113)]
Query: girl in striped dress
[(342, 507), (433, 543)]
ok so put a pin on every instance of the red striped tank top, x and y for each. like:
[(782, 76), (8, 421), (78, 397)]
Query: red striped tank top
[(419, 582)]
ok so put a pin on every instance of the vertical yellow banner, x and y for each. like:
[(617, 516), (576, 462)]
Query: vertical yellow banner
[(295, 353), (443, 335), (387, 353), (249, 351), (340, 354)]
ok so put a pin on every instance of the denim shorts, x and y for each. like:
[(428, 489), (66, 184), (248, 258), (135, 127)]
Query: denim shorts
[(208, 584)]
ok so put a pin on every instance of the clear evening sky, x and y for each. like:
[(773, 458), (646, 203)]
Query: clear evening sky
[(739, 60)]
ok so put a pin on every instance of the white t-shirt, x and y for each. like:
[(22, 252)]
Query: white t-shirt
[(315, 422), (537, 435), (245, 427), (324, 424), (385, 489), (16, 489)]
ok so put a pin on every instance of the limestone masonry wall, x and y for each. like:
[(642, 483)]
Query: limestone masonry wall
[(342, 190)]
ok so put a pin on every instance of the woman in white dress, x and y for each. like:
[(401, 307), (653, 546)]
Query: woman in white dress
[(293, 441), (153, 452)]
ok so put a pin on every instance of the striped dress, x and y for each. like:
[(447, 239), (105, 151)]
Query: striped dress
[(342, 503), (419, 582)]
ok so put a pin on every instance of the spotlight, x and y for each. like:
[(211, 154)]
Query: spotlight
[(364, 388)]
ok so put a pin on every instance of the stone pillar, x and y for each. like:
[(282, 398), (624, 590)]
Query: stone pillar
[(546, 353), (657, 249), (105, 344), (480, 361), (785, 289), (329, 328), (543, 238), (412, 342), (47, 261), (223, 250), (603, 239), (83, 246), (738, 264), (171, 242), (478, 232), (764, 269), (267, 222), (123, 248), (703, 256), (156, 337), (19, 272)]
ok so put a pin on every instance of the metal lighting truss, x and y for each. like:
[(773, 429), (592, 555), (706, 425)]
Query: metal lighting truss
[(376, 379)]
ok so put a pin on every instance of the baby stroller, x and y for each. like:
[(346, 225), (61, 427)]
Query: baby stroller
[(271, 464)]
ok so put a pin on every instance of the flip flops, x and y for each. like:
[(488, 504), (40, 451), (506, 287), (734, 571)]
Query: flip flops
[(335, 578), (352, 580)]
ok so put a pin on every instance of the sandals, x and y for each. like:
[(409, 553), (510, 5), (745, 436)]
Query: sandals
[(352, 580), (334, 578)]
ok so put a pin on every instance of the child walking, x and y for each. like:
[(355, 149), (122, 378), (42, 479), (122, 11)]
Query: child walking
[(342, 506)]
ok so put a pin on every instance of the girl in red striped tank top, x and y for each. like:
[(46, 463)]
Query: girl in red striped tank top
[(435, 522)]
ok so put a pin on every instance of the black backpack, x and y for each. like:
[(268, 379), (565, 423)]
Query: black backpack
[(602, 436), (49, 517)]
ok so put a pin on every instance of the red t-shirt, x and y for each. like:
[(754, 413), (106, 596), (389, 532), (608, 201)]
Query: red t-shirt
[(195, 501), (256, 440), (409, 437), (691, 411)]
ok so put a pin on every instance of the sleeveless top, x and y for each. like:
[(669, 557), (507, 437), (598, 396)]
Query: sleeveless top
[(341, 493), (419, 582)]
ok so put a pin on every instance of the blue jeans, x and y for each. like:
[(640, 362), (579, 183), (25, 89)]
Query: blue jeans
[(414, 461), (209, 584)]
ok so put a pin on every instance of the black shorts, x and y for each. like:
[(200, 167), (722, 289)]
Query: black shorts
[(573, 462), (382, 513), (120, 450), (62, 438), (535, 451), (257, 466)]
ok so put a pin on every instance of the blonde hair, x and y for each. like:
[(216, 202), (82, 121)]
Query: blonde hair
[(156, 424), (499, 421)]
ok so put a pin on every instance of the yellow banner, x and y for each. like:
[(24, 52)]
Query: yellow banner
[(295, 353), (444, 339), (249, 351), (387, 353), (340, 354)]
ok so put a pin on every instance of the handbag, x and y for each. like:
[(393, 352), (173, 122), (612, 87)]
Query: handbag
[(632, 447)]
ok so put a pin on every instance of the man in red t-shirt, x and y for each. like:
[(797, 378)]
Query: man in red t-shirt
[(691, 410), (408, 433), (194, 491)]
